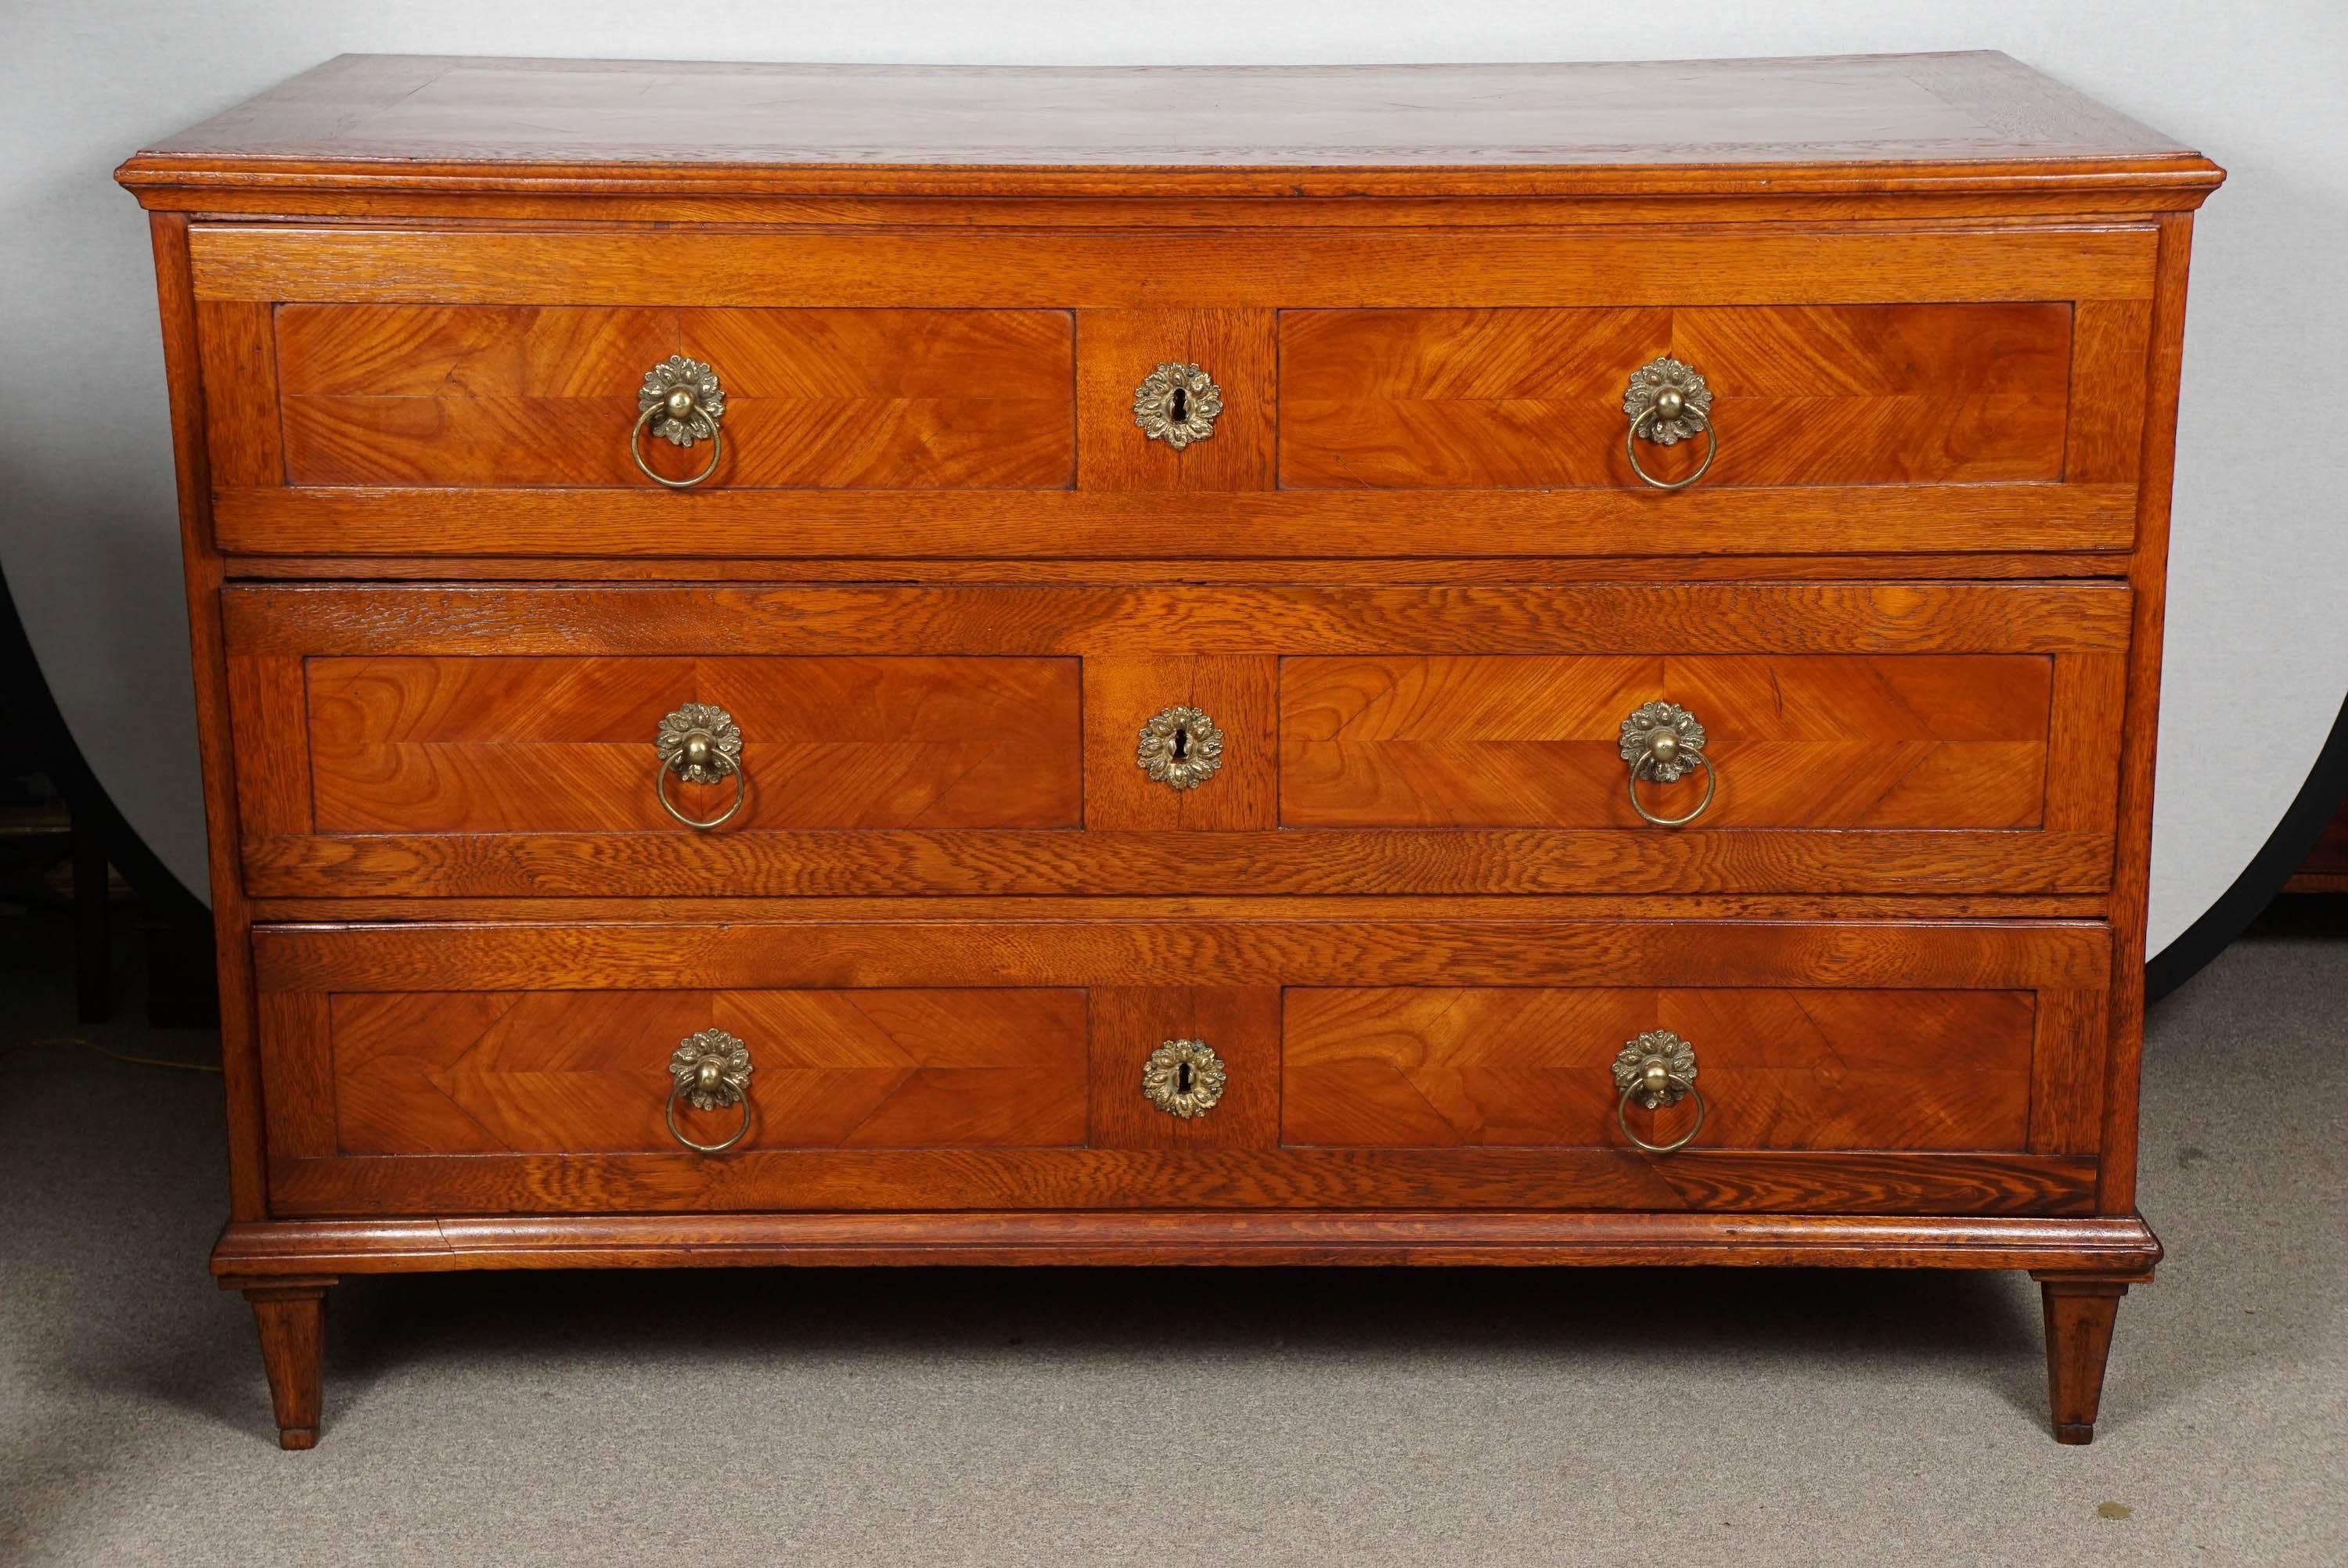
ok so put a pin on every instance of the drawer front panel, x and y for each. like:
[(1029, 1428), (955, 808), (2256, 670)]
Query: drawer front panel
[(468, 1072), (1442, 1066), (515, 395), (1391, 394), (1811, 741), (899, 1063), (1842, 395), (516, 744), (499, 742)]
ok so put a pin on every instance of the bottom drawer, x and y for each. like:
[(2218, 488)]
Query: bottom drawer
[(1844, 1067)]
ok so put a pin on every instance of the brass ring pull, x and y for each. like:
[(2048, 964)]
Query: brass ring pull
[(741, 788), (1711, 783), (677, 1133), (680, 401), (1631, 450), (1662, 741), (700, 744), (636, 450), (1668, 403), (1658, 1067), (712, 1071), (1623, 1120)]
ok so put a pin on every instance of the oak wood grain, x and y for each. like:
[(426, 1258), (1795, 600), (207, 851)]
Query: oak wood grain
[(1454, 570), (471, 1072), (241, 1074), (2111, 348), (291, 1317), (2066, 1072), (2132, 858), (1087, 270), (2082, 783), (486, 352), (1382, 1238), (835, 1179), (490, 744), (1815, 741), (387, 108), (722, 910), (1239, 691), (2006, 193), (999, 619), (511, 396), (1976, 124), (1025, 862), (1533, 398), (914, 948), (1241, 1023), (1116, 350), (1778, 1069), (810, 528), (2080, 1310), (244, 440), (267, 699), (293, 1031)]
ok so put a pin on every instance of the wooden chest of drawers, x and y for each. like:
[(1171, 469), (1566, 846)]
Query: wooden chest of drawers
[(840, 665)]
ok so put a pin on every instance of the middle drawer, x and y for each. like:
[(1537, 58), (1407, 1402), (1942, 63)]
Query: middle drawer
[(1620, 738)]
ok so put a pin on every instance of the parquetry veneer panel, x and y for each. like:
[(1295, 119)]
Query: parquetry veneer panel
[(505, 745), (1813, 740), (1445, 1067), (506, 395), (1848, 395), (465, 1072)]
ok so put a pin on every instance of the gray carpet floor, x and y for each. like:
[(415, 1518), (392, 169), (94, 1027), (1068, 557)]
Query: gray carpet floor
[(1162, 1418)]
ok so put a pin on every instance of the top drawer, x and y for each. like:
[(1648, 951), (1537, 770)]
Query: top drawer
[(1357, 393)]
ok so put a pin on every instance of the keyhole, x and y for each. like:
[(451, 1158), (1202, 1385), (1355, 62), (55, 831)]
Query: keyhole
[(1182, 1078), (1182, 752), (1178, 408)]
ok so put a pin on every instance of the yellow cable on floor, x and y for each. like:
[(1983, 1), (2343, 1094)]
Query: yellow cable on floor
[(123, 1055)]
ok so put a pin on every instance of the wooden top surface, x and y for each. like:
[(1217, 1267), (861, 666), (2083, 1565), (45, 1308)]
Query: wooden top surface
[(384, 120)]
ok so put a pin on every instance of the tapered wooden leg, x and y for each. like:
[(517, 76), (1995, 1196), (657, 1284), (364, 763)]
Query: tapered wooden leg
[(292, 1317), (2080, 1310)]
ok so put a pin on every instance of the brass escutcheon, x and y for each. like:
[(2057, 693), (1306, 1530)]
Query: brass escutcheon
[(712, 1071), (1183, 1077), (700, 744), (1658, 1069), (1181, 748), (680, 402), (1662, 741), (1668, 403), (1177, 404)]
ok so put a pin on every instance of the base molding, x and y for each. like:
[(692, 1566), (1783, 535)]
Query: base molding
[(2113, 1247)]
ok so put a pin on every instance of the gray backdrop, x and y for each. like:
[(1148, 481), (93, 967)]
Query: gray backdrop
[(2258, 654)]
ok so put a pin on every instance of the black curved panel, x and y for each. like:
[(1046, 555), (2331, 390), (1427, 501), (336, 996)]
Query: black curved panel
[(2255, 888)]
